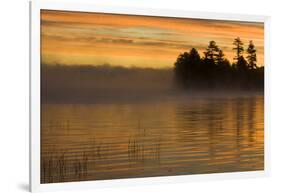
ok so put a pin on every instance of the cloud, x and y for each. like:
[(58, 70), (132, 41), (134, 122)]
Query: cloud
[(130, 36)]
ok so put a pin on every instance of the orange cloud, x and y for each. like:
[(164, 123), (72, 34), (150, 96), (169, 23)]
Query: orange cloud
[(96, 38)]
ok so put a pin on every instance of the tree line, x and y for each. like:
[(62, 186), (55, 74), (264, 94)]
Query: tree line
[(214, 71)]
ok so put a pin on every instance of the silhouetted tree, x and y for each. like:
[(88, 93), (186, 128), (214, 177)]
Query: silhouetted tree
[(194, 55), (212, 51), (238, 47), (181, 68), (252, 57), (214, 71), (222, 70), (242, 64), (210, 60), (220, 57), (187, 67)]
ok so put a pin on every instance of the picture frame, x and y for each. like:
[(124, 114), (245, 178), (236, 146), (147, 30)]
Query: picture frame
[(35, 104)]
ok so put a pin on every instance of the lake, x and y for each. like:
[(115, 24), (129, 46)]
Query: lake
[(195, 135)]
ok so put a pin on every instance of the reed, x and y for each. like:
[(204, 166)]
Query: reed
[(59, 168), (142, 148)]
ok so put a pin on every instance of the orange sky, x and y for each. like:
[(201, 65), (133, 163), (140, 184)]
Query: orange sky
[(141, 41)]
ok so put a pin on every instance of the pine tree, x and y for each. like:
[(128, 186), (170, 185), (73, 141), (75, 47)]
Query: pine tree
[(238, 47), (252, 56), (212, 51), (220, 57), (242, 64), (194, 55), (187, 67)]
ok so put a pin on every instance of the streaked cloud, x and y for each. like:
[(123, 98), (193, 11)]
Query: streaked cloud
[(95, 38)]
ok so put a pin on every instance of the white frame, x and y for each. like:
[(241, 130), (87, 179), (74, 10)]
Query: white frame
[(36, 6)]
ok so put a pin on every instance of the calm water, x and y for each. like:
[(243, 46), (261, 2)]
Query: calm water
[(192, 136)]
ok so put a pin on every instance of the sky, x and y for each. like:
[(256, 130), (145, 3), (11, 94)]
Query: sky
[(80, 38)]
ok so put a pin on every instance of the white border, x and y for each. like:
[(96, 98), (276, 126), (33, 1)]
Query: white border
[(35, 7)]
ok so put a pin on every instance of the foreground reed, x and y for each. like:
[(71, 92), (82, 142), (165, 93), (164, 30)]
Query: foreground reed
[(97, 158)]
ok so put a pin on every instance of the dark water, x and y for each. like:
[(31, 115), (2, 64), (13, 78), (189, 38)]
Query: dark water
[(173, 137)]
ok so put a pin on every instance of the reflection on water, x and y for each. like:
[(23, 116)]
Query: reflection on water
[(108, 141)]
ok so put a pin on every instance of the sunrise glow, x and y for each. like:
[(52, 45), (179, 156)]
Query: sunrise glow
[(77, 38)]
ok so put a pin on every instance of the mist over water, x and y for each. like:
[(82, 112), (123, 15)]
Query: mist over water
[(108, 122), (104, 83), (94, 84)]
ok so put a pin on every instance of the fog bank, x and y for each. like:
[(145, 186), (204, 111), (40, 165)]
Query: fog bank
[(61, 83)]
